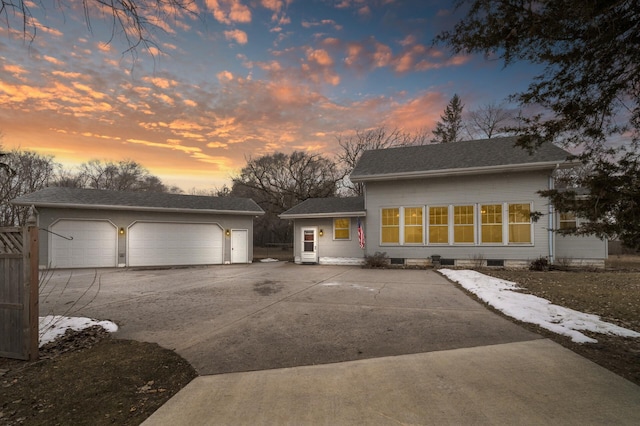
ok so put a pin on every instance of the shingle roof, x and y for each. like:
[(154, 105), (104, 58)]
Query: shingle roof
[(459, 157), (122, 200), (327, 207)]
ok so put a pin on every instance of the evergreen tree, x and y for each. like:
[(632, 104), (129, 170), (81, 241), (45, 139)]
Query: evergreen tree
[(586, 95), (449, 129)]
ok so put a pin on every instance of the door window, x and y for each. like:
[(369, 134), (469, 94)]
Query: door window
[(308, 240)]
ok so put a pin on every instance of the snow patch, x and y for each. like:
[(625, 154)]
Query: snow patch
[(53, 326), (532, 309)]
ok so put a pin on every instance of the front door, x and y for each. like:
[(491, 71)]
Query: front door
[(309, 252)]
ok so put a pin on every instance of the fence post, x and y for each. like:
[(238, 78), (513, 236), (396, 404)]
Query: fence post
[(33, 279)]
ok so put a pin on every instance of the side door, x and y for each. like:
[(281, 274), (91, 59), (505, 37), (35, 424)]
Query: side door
[(309, 246), (239, 246)]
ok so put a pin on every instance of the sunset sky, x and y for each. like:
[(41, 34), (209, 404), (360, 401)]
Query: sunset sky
[(243, 79)]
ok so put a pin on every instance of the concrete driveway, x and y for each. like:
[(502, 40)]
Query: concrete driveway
[(419, 350), (262, 316)]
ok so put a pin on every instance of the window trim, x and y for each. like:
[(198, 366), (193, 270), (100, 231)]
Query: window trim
[(575, 220), (348, 228), (502, 233), (382, 226), (404, 226), (452, 225), (508, 224), (448, 225)]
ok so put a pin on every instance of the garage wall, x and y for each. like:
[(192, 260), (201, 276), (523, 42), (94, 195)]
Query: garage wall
[(123, 219)]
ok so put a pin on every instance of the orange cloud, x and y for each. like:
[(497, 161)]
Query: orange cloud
[(224, 76), (163, 83), (238, 36), (69, 75), (52, 60), (421, 112), (229, 11), (89, 91)]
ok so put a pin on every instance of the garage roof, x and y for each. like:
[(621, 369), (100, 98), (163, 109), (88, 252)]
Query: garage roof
[(74, 198)]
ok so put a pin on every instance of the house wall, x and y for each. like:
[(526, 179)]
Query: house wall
[(457, 190), (575, 250), (329, 250), (124, 219)]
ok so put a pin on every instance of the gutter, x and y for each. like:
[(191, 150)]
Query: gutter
[(322, 215), (552, 214), (140, 208)]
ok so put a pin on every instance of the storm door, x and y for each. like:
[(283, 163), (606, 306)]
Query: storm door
[(309, 245)]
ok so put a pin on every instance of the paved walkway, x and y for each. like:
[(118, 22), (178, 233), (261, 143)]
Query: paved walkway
[(536, 382)]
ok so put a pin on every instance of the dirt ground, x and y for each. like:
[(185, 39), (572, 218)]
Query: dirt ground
[(89, 378)]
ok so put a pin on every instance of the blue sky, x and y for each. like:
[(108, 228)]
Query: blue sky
[(243, 79)]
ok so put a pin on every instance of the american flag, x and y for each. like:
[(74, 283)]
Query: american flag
[(360, 234)]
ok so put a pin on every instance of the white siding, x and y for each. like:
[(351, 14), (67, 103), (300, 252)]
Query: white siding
[(572, 247), (327, 246), (461, 190)]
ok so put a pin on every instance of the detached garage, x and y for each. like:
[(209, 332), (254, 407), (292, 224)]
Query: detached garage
[(85, 228)]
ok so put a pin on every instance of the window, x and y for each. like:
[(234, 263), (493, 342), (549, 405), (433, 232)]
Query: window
[(568, 220), (390, 226), (519, 223), (341, 229), (491, 223), (413, 225), (438, 225), (463, 224)]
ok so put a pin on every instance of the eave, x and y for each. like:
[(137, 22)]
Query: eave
[(547, 165), (322, 215), (140, 208)]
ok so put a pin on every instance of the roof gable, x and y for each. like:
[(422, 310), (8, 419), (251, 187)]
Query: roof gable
[(477, 156), (55, 197)]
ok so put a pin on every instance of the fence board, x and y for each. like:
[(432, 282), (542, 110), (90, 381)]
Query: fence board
[(18, 297)]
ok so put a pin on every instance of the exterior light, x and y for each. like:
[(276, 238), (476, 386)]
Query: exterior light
[(227, 232), (121, 231), (321, 233)]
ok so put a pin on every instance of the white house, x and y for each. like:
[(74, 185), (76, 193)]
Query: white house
[(469, 203)]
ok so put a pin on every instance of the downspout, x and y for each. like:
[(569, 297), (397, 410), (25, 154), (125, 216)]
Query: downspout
[(552, 215)]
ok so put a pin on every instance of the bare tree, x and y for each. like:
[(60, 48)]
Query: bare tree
[(278, 182), (488, 120), (135, 20), (223, 191), (365, 140), (26, 172), (125, 175)]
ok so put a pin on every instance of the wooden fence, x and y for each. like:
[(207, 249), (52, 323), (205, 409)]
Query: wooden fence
[(19, 292)]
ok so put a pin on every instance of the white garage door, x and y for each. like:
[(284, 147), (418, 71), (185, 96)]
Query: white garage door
[(83, 244), (157, 244)]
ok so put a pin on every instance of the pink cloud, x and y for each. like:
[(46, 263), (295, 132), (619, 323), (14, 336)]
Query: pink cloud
[(238, 36), (229, 11)]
